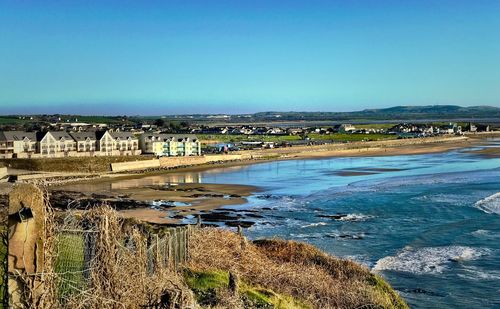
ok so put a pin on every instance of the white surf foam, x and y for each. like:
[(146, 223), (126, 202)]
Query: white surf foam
[(454, 199), (428, 259), (490, 204), (476, 274), (307, 236), (481, 233), (314, 224), (356, 217)]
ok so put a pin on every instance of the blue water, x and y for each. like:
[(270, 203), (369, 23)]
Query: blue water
[(429, 224)]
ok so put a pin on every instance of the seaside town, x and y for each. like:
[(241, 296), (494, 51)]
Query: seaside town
[(78, 139), (249, 154)]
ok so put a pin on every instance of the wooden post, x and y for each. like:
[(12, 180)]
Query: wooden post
[(234, 283), (243, 238), (25, 243), (157, 256)]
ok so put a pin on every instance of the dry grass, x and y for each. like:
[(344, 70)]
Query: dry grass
[(118, 275), (297, 269)]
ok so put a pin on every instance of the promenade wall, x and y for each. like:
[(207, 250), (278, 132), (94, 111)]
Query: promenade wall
[(172, 162)]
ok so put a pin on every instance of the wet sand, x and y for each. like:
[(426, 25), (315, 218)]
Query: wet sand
[(203, 198), (487, 152), (162, 204), (392, 151)]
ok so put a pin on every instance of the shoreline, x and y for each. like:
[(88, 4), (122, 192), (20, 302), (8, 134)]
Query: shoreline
[(355, 149), (209, 199)]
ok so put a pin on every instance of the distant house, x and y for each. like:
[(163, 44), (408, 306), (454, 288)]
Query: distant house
[(85, 142), (275, 131), (105, 143), (451, 128), (64, 142), (170, 145), (347, 128), (17, 144), (126, 143), (472, 127)]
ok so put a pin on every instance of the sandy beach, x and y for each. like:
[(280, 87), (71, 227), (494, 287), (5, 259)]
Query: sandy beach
[(166, 196), (161, 204)]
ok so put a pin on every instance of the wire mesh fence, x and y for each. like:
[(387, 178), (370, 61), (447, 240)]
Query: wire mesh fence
[(79, 241), (75, 250)]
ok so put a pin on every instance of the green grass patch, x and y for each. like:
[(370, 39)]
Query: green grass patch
[(12, 120), (351, 137), (70, 263), (375, 126), (227, 138), (206, 284), (206, 280), (384, 291)]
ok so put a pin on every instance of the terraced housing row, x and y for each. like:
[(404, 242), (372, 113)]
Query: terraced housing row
[(54, 144)]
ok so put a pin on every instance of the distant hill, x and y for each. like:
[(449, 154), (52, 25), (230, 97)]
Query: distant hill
[(396, 113), (443, 112)]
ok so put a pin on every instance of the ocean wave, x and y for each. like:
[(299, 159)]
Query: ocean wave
[(476, 274), (427, 179), (428, 259), (356, 217), (359, 258), (307, 236), (490, 204), (485, 234), (454, 199), (314, 224)]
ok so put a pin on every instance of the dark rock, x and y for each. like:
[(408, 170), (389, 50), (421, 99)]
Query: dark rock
[(243, 224), (336, 217)]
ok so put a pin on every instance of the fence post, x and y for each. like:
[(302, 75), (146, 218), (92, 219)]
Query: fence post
[(88, 253)]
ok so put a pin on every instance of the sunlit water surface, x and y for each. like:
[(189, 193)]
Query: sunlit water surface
[(429, 224)]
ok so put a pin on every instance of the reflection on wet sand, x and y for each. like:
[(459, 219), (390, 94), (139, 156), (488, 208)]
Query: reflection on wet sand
[(159, 199), (157, 180), (139, 182)]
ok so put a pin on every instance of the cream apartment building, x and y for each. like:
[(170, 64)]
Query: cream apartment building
[(54, 144), (17, 144), (170, 144)]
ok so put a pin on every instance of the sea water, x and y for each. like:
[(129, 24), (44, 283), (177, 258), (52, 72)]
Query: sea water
[(429, 224)]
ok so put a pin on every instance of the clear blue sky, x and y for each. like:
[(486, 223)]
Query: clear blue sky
[(164, 57)]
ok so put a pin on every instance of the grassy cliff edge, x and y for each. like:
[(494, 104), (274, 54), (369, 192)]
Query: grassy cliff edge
[(279, 274)]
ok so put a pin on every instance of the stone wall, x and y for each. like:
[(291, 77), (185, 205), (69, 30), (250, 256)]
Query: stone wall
[(172, 162), (71, 164), (3, 173), (135, 165)]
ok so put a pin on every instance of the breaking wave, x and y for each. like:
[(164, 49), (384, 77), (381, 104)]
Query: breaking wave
[(476, 273), (356, 217), (314, 224), (490, 204), (428, 260)]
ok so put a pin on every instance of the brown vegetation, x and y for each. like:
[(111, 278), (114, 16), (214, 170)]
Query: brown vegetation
[(292, 268), (127, 270), (120, 277), (117, 275)]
